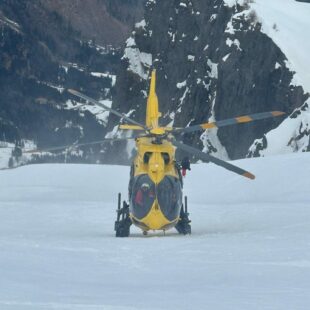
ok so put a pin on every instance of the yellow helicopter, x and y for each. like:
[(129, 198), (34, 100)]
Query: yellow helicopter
[(155, 187)]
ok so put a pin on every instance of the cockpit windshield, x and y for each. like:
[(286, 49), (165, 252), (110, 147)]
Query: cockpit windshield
[(169, 196), (144, 193)]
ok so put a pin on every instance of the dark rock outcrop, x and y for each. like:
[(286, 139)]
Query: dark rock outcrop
[(212, 62), (103, 21), (42, 53)]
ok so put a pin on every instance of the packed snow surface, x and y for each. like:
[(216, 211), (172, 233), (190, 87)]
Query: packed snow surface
[(249, 247)]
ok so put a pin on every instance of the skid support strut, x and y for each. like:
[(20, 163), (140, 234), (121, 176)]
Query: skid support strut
[(183, 226), (123, 221)]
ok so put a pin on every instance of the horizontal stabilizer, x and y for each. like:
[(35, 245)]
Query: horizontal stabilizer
[(130, 127)]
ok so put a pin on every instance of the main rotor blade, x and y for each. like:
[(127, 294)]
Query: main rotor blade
[(120, 115), (230, 121), (207, 157), (57, 148)]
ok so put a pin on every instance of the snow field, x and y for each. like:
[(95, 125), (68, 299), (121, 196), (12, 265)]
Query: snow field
[(249, 248)]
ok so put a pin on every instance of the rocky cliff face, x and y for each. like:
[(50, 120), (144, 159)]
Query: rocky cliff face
[(213, 62), (103, 21), (46, 47)]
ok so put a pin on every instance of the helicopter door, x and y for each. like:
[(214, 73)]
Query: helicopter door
[(142, 196), (169, 196)]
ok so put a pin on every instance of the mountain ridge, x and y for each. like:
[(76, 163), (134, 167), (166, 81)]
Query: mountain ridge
[(213, 62)]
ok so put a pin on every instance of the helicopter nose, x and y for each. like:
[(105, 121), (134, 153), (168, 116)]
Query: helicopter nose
[(158, 205), (156, 167)]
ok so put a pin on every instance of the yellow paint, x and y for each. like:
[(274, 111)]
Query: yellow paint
[(277, 113), (155, 166), (243, 119), (158, 131), (170, 128), (156, 157), (155, 220), (130, 127), (208, 125), (152, 113), (249, 175), (156, 169)]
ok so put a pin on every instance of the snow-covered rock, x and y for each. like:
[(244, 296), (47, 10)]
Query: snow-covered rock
[(241, 64), (139, 62), (293, 135)]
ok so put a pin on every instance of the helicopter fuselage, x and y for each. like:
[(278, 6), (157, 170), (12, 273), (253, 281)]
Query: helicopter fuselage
[(155, 189)]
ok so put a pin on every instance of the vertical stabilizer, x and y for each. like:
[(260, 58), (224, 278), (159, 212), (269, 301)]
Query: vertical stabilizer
[(152, 113)]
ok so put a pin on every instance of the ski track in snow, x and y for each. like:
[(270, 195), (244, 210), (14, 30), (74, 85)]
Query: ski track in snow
[(249, 248)]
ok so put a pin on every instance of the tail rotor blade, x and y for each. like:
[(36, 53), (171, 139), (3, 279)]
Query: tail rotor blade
[(207, 157)]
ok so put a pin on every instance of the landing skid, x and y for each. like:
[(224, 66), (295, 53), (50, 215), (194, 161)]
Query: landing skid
[(123, 221), (183, 226)]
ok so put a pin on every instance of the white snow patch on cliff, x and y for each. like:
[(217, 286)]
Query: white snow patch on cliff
[(226, 57), (9, 23), (181, 84), (139, 62), (141, 24), (211, 142), (191, 57), (213, 67), (292, 135), (5, 154), (106, 75), (182, 99), (100, 113), (238, 16), (232, 3), (234, 42)]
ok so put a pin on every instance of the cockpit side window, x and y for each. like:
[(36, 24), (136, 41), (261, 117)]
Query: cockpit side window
[(166, 158), (169, 196), (143, 195), (146, 157)]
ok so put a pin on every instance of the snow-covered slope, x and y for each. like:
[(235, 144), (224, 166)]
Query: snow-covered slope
[(216, 60), (5, 154), (249, 248), (287, 23), (293, 135)]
